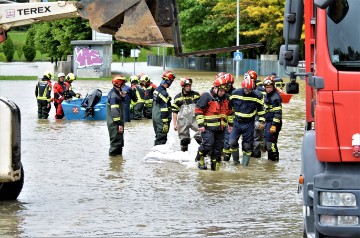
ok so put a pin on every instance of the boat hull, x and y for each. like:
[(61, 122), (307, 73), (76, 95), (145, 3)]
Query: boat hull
[(74, 111)]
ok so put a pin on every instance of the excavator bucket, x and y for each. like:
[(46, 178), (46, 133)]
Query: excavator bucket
[(141, 22)]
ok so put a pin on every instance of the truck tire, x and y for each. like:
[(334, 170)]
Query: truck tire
[(11, 190)]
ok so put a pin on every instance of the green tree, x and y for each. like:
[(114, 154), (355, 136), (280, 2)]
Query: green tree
[(19, 50), (209, 24), (9, 49), (29, 47), (53, 38)]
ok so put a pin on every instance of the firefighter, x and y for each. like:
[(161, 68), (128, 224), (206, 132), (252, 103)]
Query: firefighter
[(149, 89), (127, 102), (213, 113), (134, 81), (161, 111), (273, 118), (183, 110), (69, 92), (259, 143), (115, 115), (59, 95), (139, 91), (279, 83), (226, 153), (246, 103), (43, 95)]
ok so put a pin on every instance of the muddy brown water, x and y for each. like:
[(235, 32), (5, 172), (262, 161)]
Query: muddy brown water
[(73, 188)]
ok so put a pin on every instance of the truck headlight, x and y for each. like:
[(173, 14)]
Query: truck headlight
[(337, 199)]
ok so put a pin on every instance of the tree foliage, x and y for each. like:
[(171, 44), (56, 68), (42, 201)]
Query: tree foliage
[(29, 47), (209, 24), (54, 37), (9, 49)]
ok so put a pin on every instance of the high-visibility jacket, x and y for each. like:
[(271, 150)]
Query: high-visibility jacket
[(115, 103), (247, 106), (273, 107), (163, 100), (43, 90), (213, 112), (185, 99)]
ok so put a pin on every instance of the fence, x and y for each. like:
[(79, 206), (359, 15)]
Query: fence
[(262, 67)]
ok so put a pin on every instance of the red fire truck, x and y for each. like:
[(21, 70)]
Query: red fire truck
[(330, 156)]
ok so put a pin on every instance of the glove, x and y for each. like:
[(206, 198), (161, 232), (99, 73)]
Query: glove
[(78, 95), (272, 129), (165, 128)]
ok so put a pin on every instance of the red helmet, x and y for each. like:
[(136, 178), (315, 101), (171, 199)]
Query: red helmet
[(185, 81), (118, 80), (268, 81), (220, 82), (229, 78), (252, 74), (220, 74), (168, 75), (248, 84)]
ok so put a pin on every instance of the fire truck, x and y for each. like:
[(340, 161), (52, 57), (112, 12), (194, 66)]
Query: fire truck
[(141, 22), (330, 156)]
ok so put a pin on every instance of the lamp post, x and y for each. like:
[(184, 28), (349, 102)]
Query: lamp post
[(237, 35)]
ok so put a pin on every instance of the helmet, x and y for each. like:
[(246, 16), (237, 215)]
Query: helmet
[(70, 77), (118, 80), (185, 81), (252, 74), (141, 74), (268, 81), (61, 75), (229, 78), (220, 74), (145, 78), (247, 76), (48, 75), (221, 83), (168, 75), (248, 83), (134, 79)]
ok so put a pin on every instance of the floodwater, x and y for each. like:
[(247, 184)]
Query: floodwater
[(73, 188)]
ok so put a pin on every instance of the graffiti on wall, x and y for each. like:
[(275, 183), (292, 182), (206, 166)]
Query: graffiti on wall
[(87, 57)]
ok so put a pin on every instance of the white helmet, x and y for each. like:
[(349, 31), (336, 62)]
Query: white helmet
[(61, 75)]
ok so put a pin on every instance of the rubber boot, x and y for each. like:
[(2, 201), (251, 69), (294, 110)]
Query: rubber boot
[(236, 156), (201, 161), (245, 160), (256, 153), (215, 165), (226, 156), (273, 156), (184, 148)]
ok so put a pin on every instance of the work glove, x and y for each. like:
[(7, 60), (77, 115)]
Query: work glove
[(272, 129), (165, 128), (78, 95)]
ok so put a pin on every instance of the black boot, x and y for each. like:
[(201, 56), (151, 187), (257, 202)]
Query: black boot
[(273, 156), (184, 148), (256, 154), (215, 165), (226, 156)]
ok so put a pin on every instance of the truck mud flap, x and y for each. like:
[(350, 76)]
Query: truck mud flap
[(11, 171)]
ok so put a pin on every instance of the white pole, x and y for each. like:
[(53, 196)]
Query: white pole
[(237, 35)]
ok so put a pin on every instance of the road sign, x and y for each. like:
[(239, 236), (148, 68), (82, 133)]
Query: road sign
[(135, 53), (238, 56)]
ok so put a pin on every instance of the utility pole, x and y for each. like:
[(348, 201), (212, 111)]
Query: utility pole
[(237, 35)]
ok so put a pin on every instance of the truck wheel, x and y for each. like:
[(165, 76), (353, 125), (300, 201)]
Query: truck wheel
[(11, 190)]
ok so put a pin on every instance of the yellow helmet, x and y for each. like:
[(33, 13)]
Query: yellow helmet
[(70, 77), (48, 75)]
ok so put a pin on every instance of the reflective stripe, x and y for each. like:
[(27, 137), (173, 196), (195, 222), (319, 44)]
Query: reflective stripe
[(164, 109), (247, 99), (276, 120), (115, 106), (246, 115), (117, 119)]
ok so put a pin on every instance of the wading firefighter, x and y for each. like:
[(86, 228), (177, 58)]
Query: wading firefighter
[(213, 114), (43, 95), (161, 111), (183, 110)]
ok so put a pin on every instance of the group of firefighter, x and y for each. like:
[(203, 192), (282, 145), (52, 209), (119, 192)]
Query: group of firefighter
[(218, 117), (62, 90)]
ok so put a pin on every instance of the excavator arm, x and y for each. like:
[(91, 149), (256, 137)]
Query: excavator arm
[(140, 22)]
